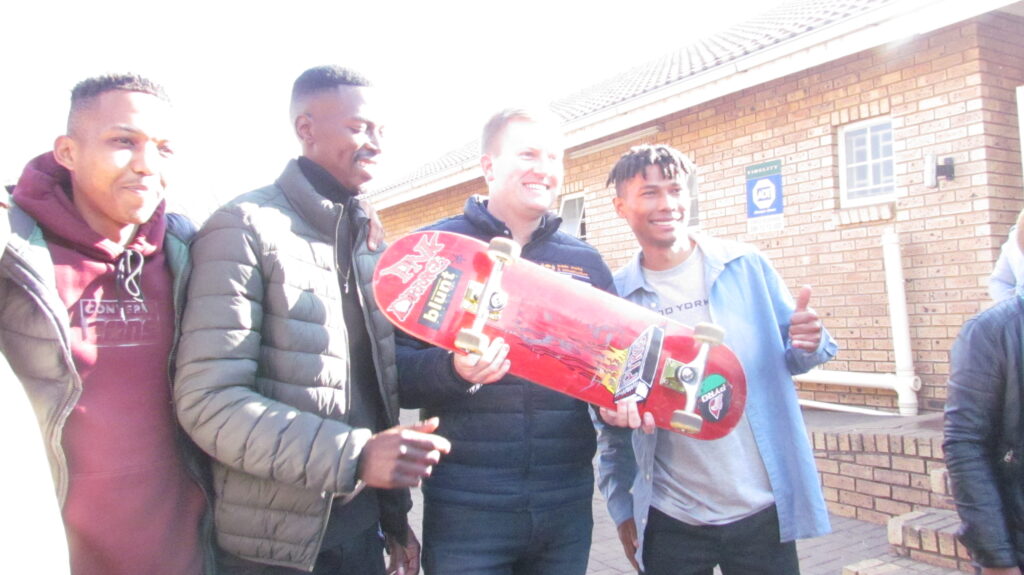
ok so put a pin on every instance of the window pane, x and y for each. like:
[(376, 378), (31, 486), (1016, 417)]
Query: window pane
[(572, 216), (868, 161)]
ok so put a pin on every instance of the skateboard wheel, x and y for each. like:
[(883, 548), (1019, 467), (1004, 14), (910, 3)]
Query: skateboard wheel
[(504, 250), (708, 333), (686, 422), (471, 341)]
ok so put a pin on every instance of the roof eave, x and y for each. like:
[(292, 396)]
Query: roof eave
[(886, 24)]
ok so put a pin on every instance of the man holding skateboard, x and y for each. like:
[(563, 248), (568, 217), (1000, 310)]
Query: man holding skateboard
[(514, 495), (740, 502), (287, 374)]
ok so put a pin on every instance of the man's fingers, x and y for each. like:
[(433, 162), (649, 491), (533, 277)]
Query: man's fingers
[(417, 443), (488, 367), (803, 299), (632, 414), (648, 425), (426, 426), (627, 414)]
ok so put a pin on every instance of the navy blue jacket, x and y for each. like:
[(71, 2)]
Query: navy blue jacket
[(515, 445), (984, 438)]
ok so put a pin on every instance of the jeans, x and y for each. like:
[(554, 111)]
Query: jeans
[(361, 555), (746, 547), (465, 540)]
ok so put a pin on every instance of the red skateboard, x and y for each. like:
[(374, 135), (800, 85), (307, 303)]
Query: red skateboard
[(562, 334)]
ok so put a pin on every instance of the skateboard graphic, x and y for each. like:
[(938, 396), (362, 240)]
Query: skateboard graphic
[(459, 293)]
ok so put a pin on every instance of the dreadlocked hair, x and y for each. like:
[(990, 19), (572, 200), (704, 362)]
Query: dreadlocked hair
[(670, 161)]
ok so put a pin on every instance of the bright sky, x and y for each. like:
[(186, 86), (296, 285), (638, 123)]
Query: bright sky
[(229, 67)]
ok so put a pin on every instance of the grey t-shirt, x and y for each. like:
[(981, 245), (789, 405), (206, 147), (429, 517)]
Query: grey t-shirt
[(703, 482)]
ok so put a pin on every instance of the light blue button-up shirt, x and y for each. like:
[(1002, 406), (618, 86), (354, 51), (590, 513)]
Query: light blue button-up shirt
[(752, 303)]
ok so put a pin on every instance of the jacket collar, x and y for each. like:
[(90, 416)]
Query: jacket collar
[(315, 209), (717, 253), (477, 213)]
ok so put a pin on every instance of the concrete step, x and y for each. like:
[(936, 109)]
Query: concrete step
[(895, 565), (929, 536)]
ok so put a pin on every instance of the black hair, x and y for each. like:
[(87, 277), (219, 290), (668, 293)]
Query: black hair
[(86, 91), (669, 160), (322, 78)]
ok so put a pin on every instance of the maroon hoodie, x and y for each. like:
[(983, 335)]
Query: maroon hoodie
[(131, 507)]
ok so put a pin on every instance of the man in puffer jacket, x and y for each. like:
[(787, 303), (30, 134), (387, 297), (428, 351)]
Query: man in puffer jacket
[(514, 495), (286, 369), (90, 283)]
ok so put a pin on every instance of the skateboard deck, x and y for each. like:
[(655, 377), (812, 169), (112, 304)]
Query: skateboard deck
[(562, 333)]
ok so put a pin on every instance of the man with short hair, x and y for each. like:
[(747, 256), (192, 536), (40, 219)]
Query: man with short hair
[(287, 374), (683, 505), (514, 495), (90, 283)]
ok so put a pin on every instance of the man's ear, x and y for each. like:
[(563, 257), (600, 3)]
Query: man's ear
[(617, 202), (65, 152), (487, 164), (304, 129)]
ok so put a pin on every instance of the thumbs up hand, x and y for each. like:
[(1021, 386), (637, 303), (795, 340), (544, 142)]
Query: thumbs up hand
[(805, 325)]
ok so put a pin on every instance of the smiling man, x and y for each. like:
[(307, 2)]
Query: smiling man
[(684, 506), (514, 496), (89, 288), (287, 371)]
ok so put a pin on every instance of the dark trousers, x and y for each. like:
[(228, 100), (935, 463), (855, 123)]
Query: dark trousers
[(746, 547), (468, 541), (360, 555)]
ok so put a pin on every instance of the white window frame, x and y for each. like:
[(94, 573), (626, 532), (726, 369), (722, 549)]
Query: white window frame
[(1020, 120), (580, 230), (876, 180)]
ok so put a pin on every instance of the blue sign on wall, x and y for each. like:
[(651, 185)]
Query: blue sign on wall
[(764, 189)]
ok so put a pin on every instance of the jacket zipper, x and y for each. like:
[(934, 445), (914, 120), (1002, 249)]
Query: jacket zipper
[(55, 428)]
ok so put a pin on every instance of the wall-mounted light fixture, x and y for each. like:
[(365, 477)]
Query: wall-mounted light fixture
[(933, 171)]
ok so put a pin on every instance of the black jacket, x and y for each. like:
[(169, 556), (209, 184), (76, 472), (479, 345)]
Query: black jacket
[(515, 445), (983, 440)]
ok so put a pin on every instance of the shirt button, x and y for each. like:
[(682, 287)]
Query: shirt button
[(647, 477)]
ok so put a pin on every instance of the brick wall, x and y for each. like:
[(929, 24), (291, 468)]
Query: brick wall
[(948, 93), (411, 215), (876, 476)]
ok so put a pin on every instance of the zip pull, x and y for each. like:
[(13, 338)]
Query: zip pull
[(1008, 457)]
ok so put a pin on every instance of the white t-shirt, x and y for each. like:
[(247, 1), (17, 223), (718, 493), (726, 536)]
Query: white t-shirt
[(703, 482)]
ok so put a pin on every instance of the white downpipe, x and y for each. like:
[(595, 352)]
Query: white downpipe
[(844, 408), (904, 382)]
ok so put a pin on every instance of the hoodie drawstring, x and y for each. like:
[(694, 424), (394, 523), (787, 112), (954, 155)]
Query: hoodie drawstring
[(129, 278)]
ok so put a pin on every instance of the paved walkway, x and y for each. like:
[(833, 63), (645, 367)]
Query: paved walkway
[(851, 541)]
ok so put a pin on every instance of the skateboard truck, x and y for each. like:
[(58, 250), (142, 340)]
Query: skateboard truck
[(502, 252), (691, 374)]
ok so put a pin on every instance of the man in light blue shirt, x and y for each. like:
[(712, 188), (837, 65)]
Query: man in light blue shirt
[(1007, 277), (740, 502)]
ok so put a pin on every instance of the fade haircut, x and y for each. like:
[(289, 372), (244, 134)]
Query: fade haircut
[(672, 163), (85, 93), (495, 127), (322, 78)]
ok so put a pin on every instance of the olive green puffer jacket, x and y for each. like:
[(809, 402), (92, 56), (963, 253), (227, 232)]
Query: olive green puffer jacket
[(263, 368)]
